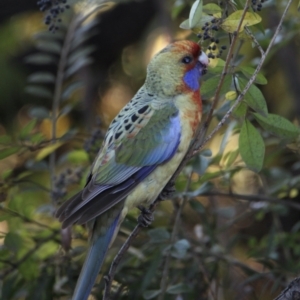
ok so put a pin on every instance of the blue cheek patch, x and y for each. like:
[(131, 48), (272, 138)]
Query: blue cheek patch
[(191, 79)]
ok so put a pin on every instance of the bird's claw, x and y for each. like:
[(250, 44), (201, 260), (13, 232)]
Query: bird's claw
[(168, 191), (146, 216), (107, 278)]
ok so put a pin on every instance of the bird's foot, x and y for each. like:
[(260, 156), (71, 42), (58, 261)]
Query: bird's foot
[(168, 191), (146, 216), (107, 279)]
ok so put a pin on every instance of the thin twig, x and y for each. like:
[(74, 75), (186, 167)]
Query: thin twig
[(26, 219), (249, 33), (113, 267), (164, 277), (58, 92), (250, 82), (255, 198)]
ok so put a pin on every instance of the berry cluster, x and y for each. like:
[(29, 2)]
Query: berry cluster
[(53, 8), (63, 180), (257, 5), (208, 28), (93, 143)]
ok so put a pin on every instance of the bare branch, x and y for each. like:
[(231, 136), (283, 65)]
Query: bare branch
[(292, 292), (164, 276)]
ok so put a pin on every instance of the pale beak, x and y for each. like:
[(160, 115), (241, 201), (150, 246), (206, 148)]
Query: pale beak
[(204, 61)]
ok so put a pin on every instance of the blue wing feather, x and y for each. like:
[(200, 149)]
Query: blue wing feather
[(114, 180)]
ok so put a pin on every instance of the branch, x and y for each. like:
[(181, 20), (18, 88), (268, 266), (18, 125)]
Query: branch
[(112, 271), (164, 277), (57, 94), (255, 198), (250, 82), (292, 292), (26, 219)]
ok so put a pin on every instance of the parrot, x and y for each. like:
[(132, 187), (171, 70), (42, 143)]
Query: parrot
[(143, 147)]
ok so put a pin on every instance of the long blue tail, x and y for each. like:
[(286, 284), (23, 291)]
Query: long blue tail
[(93, 262)]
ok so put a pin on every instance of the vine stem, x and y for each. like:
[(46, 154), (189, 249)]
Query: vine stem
[(164, 277), (200, 136)]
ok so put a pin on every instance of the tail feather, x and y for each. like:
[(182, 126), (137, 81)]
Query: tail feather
[(93, 262)]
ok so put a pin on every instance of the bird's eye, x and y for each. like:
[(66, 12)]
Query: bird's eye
[(186, 59)]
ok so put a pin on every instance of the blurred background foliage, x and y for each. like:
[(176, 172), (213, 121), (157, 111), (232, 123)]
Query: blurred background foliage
[(228, 232)]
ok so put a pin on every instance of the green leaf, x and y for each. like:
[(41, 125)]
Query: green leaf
[(26, 130), (208, 87), (65, 110), (49, 46), (254, 98), (205, 18), (248, 72), (29, 269), (38, 91), (13, 242), (40, 59), (230, 24), (197, 206), (227, 212), (201, 163), (278, 126), (78, 157), (8, 151), (251, 146), (150, 272), (240, 111), (46, 250), (78, 65), (151, 294), (41, 77), (79, 54), (47, 35), (195, 13), (232, 155), (212, 8), (159, 235), (178, 288), (180, 248), (39, 113), (47, 151), (70, 89), (185, 24), (5, 139)]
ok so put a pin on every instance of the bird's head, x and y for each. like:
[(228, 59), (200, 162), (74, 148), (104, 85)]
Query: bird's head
[(176, 69)]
